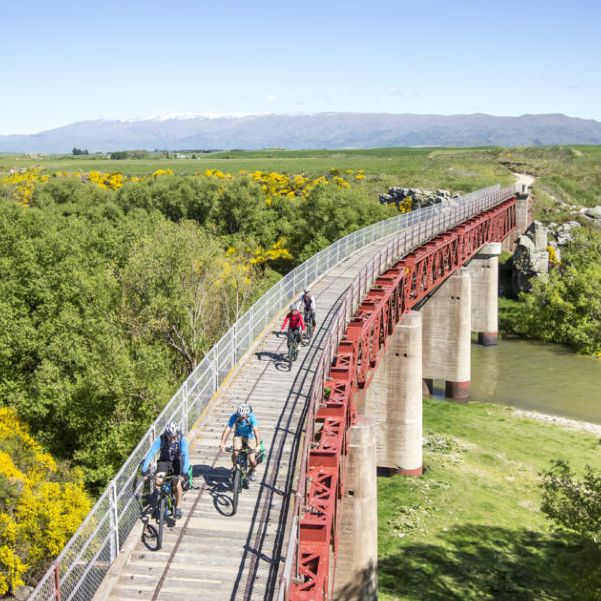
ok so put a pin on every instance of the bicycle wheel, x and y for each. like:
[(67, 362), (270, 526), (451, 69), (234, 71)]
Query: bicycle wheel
[(162, 517), (295, 351), (236, 491)]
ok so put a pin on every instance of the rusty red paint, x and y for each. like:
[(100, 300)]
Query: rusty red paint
[(394, 292)]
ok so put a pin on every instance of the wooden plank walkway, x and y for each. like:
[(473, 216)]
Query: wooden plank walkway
[(210, 555)]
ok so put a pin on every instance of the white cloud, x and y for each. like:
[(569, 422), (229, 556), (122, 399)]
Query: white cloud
[(271, 98), (395, 91)]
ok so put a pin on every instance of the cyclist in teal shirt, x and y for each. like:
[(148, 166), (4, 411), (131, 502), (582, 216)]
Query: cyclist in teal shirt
[(246, 432)]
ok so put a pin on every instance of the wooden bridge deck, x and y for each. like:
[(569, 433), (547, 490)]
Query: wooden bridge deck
[(210, 555)]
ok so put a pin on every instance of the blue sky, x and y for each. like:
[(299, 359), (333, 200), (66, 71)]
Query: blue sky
[(69, 61)]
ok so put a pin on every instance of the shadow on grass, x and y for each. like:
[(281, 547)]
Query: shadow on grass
[(479, 562)]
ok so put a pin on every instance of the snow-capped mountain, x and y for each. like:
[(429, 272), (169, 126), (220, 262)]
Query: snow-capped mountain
[(316, 130)]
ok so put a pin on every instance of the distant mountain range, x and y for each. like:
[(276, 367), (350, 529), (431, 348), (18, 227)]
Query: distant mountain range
[(317, 130)]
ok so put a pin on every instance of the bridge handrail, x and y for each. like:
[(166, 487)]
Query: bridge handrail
[(79, 569), (439, 219)]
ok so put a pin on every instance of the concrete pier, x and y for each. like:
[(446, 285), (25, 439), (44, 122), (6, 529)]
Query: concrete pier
[(484, 274), (356, 574), (446, 335), (393, 400)]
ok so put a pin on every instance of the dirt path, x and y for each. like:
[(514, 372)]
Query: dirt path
[(524, 179)]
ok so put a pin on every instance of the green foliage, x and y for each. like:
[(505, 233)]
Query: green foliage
[(567, 307), (573, 503), (93, 342)]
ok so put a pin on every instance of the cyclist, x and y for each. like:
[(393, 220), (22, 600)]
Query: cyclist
[(307, 302), (246, 433), (294, 319), (174, 455)]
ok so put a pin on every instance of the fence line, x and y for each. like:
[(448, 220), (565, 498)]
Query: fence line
[(79, 569)]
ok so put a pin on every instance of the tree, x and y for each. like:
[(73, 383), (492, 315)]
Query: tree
[(172, 286), (572, 502)]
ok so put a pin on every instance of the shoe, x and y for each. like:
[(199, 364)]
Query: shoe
[(177, 513), (245, 484), (252, 476)]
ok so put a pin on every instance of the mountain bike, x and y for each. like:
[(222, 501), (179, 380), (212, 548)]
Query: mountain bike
[(292, 348), (240, 473), (308, 317), (164, 503)]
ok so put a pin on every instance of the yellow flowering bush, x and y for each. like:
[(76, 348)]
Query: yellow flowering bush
[(22, 183), (114, 181), (11, 570), (162, 172), (39, 511), (553, 257), (406, 205), (275, 252), (217, 173)]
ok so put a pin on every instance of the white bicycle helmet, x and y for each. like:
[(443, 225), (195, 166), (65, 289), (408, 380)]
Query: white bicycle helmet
[(292, 307), (244, 410), (172, 428)]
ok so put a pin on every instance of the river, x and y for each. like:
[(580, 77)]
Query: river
[(548, 378)]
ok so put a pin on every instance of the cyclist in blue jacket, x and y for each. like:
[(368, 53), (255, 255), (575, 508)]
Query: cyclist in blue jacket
[(174, 455), (246, 432)]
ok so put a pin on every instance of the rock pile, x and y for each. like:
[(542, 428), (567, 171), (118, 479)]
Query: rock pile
[(419, 198), (531, 257), (593, 214), (563, 233)]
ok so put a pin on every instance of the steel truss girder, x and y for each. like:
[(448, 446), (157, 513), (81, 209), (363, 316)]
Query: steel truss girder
[(395, 292)]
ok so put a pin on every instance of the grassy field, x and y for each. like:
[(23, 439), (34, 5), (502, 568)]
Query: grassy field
[(471, 528), (453, 169), (568, 174)]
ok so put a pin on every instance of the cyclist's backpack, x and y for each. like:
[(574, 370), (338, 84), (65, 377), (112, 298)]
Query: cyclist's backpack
[(261, 453)]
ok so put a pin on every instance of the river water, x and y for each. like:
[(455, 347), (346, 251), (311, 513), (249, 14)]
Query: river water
[(548, 378)]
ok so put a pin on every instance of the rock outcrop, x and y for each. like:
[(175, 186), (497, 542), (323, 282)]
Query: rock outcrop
[(531, 257), (419, 198), (594, 214)]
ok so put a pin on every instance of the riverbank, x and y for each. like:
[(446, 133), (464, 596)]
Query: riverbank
[(563, 422), (471, 527)]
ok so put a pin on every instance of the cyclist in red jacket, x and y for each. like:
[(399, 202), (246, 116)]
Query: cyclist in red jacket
[(294, 319)]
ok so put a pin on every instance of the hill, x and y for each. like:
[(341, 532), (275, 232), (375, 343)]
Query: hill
[(318, 130)]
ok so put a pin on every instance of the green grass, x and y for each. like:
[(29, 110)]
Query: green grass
[(462, 170), (471, 527)]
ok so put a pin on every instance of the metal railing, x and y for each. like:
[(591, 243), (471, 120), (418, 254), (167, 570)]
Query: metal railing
[(81, 566), (438, 221)]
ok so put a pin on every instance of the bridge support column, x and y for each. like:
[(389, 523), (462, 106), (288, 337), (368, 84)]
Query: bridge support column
[(447, 325), (522, 220), (394, 400), (484, 274), (357, 560)]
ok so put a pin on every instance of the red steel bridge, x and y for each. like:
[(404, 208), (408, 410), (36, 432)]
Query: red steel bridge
[(283, 542)]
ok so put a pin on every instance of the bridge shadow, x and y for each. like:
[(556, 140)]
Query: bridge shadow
[(279, 360), (263, 559), (472, 561), (217, 481)]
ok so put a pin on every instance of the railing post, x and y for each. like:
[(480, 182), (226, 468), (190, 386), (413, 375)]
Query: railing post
[(57, 581), (113, 521), (214, 371), (235, 344), (185, 407)]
